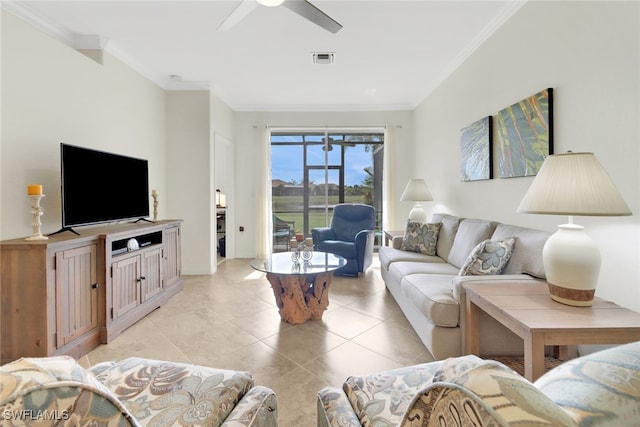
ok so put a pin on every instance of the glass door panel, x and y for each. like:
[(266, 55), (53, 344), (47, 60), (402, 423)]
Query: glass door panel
[(322, 196)]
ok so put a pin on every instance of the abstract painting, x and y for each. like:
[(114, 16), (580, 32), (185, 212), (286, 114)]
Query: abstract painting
[(475, 151), (524, 135)]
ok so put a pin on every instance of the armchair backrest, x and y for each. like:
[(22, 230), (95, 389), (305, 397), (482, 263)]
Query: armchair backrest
[(349, 219)]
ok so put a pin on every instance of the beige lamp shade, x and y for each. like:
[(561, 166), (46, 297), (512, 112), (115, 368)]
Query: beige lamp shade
[(417, 191), (270, 3), (572, 184)]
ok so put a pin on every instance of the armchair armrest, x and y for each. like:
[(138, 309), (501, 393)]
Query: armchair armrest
[(487, 390), (334, 409), (257, 408)]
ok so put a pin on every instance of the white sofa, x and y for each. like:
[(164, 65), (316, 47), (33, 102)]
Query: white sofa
[(429, 289)]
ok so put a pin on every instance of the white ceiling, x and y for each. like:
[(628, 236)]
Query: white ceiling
[(389, 54)]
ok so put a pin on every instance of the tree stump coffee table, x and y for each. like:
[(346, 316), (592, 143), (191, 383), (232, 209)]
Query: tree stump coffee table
[(301, 288)]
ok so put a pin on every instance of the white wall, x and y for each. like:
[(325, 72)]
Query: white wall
[(190, 177), (248, 125), (589, 53), (52, 94)]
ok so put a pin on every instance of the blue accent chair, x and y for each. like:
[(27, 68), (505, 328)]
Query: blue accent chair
[(350, 236)]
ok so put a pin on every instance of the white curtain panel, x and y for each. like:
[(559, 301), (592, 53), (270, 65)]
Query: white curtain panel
[(264, 215)]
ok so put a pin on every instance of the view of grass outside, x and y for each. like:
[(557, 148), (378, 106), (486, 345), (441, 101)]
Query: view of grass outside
[(287, 208)]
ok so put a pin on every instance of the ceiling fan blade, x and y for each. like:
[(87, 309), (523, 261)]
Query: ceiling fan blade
[(313, 14), (239, 13)]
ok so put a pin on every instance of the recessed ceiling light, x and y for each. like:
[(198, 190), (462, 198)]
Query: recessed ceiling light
[(323, 57)]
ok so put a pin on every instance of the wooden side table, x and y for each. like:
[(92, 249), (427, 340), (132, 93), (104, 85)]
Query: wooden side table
[(390, 234), (530, 313)]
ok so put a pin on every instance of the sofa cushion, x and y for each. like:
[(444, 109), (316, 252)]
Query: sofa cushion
[(470, 233), (400, 269), (527, 253), (600, 389), (168, 393), (388, 255), (489, 257), (433, 296), (58, 389), (421, 237), (381, 399), (447, 233)]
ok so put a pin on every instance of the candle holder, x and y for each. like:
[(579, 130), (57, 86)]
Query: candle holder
[(36, 213), (155, 205)]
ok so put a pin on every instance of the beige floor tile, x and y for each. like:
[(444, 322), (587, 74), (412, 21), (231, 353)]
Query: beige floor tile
[(348, 323), (229, 320), (304, 342)]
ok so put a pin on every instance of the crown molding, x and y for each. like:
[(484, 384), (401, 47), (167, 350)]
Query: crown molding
[(93, 41), (509, 9)]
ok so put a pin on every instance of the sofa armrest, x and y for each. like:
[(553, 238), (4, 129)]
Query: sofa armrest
[(257, 408), (470, 391), (334, 409), (460, 295), (321, 234), (396, 242)]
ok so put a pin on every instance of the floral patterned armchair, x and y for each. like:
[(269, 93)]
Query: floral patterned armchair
[(600, 389), (131, 392)]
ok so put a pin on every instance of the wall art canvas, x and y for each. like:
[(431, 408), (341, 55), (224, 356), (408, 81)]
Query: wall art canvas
[(524, 135), (475, 151)]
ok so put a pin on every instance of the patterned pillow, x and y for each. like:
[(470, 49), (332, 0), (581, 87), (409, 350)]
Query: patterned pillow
[(421, 237), (488, 257)]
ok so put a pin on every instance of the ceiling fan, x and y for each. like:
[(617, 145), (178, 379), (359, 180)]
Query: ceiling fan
[(330, 142), (301, 7)]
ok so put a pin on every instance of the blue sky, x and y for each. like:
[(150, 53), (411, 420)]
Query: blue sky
[(286, 163)]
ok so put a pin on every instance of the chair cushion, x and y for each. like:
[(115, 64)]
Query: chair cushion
[(349, 219), (338, 247), (168, 393)]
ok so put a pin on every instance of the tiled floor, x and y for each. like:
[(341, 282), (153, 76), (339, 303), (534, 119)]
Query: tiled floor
[(229, 320)]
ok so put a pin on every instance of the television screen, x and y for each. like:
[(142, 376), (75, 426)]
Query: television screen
[(102, 187)]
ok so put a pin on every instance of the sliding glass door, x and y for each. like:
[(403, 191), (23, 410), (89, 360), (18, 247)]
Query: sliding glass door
[(313, 171)]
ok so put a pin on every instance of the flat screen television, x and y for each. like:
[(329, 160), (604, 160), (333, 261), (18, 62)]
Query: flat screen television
[(99, 187)]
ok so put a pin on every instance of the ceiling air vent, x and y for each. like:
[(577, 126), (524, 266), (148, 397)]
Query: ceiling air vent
[(323, 58)]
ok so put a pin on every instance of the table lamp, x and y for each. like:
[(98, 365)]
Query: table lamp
[(572, 184), (417, 191)]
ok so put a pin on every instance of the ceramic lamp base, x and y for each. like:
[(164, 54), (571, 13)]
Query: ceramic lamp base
[(572, 264), (418, 214)]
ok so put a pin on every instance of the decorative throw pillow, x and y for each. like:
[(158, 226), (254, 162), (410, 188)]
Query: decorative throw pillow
[(421, 237), (488, 257)]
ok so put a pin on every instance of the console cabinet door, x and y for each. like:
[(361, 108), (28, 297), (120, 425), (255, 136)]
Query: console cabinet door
[(151, 282), (172, 256), (76, 293), (125, 281)]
